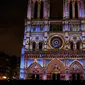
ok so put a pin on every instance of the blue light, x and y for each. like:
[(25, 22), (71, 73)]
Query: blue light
[(47, 61), (81, 61), (69, 62), (81, 37), (80, 10), (24, 41), (33, 29), (41, 28), (28, 28), (25, 36), (63, 61), (22, 62), (21, 70), (37, 29), (23, 49), (40, 62), (82, 27), (29, 62), (84, 12), (21, 76)]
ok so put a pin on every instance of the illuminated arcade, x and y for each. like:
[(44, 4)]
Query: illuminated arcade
[(54, 49)]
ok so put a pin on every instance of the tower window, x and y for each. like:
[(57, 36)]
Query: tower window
[(56, 27), (33, 45), (70, 8), (40, 45), (76, 10), (71, 45), (78, 45), (41, 10), (36, 9)]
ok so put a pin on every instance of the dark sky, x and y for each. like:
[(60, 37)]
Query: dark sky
[(12, 15)]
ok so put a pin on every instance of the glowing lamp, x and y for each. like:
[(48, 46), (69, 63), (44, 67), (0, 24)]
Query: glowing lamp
[(4, 77)]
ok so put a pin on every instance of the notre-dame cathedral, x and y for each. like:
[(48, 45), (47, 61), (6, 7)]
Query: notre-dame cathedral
[(54, 49)]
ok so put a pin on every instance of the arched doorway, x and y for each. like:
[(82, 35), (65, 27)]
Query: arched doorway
[(75, 71), (55, 70), (34, 71), (56, 73)]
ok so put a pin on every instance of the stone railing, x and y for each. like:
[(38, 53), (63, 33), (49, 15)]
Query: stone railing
[(55, 53)]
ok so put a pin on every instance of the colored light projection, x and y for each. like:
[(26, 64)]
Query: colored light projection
[(56, 42)]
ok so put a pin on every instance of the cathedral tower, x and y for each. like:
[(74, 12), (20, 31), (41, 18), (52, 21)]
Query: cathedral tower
[(53, 49)]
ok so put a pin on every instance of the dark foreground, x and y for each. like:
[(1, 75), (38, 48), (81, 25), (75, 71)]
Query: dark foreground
[(40, 82)]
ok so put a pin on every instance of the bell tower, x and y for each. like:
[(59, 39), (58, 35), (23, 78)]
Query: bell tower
[(73, 9), (36, 31), (53, 43), (38, 9)]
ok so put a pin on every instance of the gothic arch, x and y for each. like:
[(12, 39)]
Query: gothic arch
[(33, 45), (78, 45), (70, 8), (36, 9), (40, 45), (58, 63), (35, 67), (71, 45), (75, 67)]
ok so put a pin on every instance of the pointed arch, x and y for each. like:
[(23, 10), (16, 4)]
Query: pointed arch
[(40, 45), (71, 45), (33, 45), (78, 45), (35, 68), (60, 66), (75, 67)]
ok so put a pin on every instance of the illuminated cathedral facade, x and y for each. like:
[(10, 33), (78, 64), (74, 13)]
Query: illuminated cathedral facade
[(54, 49)]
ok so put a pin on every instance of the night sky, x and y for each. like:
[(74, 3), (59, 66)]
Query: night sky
[(12, 16)]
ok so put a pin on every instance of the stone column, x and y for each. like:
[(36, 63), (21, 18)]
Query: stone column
[(45, 15), (44, 74), (44, 63), (25, 64), (68, 9), (67, 75), (78, 9), (73, 9), (74, 46), (32, 9), (84, 74), (29, 10), (37, 46), (82, 8), (39, 10)]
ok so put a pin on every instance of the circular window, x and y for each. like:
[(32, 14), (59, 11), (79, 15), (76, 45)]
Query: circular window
[(56, 42)]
